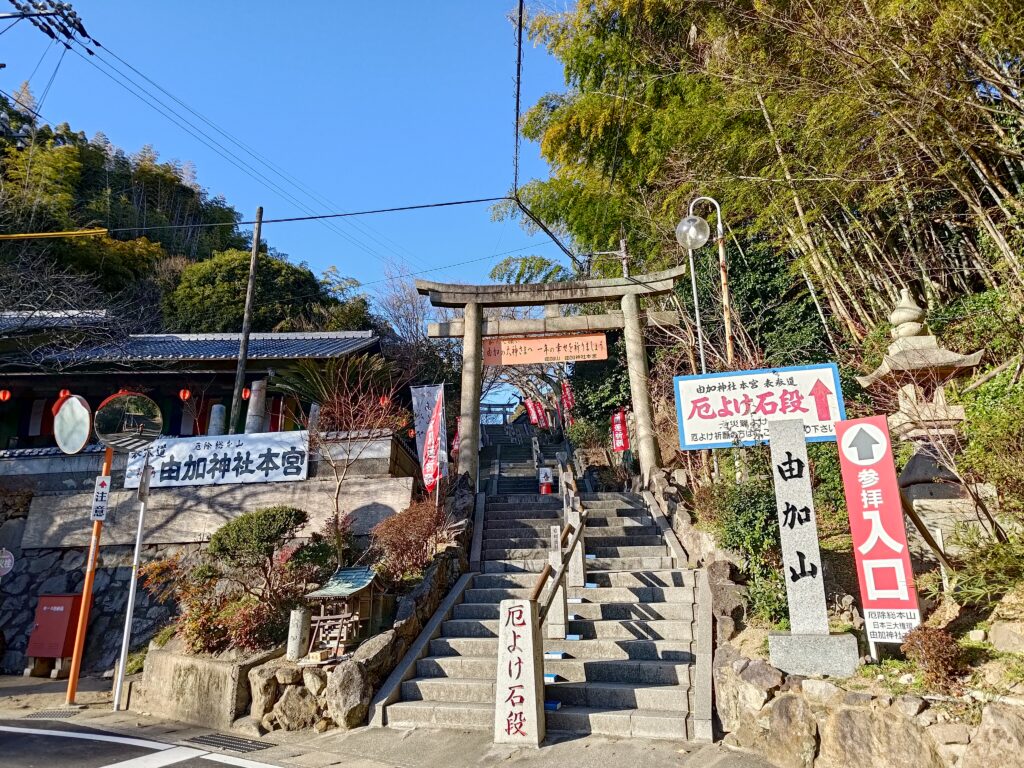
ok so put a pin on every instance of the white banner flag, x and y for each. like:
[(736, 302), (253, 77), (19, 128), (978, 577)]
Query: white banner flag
[(266, 457)]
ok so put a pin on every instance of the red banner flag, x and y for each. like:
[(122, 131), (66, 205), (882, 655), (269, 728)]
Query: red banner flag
[(432, 445), (568, 398), (458, 436), (542, 416), (620, 432), (531, 410), (876, 523)]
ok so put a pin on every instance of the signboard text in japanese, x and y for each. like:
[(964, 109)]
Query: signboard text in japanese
[(499, 350)]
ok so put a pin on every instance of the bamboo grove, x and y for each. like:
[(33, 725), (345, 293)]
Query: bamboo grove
[(871, 145)]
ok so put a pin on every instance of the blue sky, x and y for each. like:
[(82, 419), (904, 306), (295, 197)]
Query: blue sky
[(369, 105)]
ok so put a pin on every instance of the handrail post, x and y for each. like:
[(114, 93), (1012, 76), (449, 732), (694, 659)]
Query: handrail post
[(556, 617), (577, 571), (535, 445)]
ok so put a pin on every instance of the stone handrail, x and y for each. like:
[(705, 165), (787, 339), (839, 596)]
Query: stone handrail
[(535, 445)]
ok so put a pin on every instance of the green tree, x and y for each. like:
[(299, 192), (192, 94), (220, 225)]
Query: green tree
[(210, 296)]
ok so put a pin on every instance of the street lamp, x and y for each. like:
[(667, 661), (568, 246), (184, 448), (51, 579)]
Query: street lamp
[(693, 232)]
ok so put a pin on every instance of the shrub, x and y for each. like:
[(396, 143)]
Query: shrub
[(587, 434), (405, 543), (937, 654), (987, 569), (979, 320), (254, 537)]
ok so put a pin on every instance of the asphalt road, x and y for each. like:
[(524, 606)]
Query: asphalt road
[(56, 744)]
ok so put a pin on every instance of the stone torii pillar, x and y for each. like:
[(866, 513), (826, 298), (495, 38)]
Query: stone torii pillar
[(472, 383), (636, 362)]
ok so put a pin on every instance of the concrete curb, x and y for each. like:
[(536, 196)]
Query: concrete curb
[(668, 533), (702, 704), (391, 690)]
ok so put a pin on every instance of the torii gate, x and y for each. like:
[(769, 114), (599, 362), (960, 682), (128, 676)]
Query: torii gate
[(472, 328)]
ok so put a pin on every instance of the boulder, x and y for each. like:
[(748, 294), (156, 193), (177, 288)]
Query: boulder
[(868, 737), (378, 656), (999, 740), (949, 733), (315, 679), (348, 695), (296, 709), (289, 675), (742, 689), (792, 737), (249, 726), (818, 691), (263, 688), (1007, 636), (910, 705)]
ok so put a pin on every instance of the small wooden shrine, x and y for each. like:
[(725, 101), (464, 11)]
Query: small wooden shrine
[(352, 606)]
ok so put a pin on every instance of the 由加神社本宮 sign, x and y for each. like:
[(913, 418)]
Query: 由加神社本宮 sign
[(544, 349), (720, 410), (267, 457)]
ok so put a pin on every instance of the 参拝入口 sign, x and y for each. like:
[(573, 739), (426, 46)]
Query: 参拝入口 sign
[(720, 410), (499, 350), (876, 526), (269, 457)]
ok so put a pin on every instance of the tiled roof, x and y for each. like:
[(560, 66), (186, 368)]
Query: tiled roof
[(38, 320), (344, 582), (224, 346)]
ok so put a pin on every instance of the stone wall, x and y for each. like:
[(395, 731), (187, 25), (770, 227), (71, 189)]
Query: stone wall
[(809, 723), (50, 571)]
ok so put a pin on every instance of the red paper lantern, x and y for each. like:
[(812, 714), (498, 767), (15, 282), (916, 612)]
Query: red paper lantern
[(412, 432), (184, 395), (5, 395), (65, 393), (246, 392)]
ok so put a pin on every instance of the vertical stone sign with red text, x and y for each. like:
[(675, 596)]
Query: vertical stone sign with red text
[(519, 693)]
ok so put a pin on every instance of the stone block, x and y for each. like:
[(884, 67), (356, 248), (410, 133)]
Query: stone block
[(999, 740), (792, 735), (348, 695), (263, 688), (287, 674), (950, 733), (315, 679), (818, 691), (814, 655), (1007, 636), (976, 635), (519, 693), (296, 710), (870, 737), (911, 706)]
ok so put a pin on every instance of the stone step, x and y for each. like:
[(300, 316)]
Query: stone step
[(544, 504), (596, 526), (619, 695), (513, 566), (592, 611), (630, 629), (566, 670), (601, 553), (645, 723), (601, 595), (595, 537), (462, 715), (658, 578), (450, 689), (536, 565), (658, 549), (522, 512), (584, 650), (505, 580), (612, 495)]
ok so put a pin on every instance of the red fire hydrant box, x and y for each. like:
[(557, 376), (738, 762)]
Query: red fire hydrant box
[(53, 632)]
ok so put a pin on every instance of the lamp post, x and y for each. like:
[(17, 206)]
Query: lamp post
[(693, 232)]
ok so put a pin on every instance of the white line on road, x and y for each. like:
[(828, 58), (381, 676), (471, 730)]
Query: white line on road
[(167, 754), (144, 743), (160, 759)]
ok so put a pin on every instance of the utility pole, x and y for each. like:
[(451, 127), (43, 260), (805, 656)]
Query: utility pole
[(243, 344), (624, 256)]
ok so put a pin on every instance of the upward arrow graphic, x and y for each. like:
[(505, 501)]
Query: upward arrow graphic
[(864, 444), (821, 393)]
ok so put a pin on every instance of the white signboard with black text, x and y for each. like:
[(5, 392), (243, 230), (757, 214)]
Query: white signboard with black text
[(266, 457), (720, 410)]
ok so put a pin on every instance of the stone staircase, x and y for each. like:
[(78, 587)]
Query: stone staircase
[(627, 665)]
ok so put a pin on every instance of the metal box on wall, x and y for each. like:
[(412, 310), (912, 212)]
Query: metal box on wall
[(53, 631)]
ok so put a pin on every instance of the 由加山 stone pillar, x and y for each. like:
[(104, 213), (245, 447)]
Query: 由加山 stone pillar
[(472, 381), (257, 409), (218, 420), (636, 362)]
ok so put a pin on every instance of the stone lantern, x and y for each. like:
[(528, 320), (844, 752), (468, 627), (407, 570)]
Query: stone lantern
[(917, 368)]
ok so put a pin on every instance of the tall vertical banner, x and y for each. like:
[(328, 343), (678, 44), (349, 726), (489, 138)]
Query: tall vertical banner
[(433, 445), (425, 401), (568, 398), (531, 410), (620, 431), (879, 534), (542, 416)]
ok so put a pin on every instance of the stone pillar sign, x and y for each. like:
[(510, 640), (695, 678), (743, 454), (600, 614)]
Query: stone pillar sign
[(808, 649), (798, 528), (519, 694)]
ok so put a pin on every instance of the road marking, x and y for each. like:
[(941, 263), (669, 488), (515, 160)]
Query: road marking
[(144, 743), (160, 759), (239, 762)]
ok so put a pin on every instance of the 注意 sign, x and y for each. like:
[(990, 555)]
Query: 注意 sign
[(269, 457), (100, 499), (519, 693), (544, 349), (719, 410), (798, 529), (879, 535)]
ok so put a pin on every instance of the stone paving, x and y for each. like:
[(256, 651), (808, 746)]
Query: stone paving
[(371, 747)]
